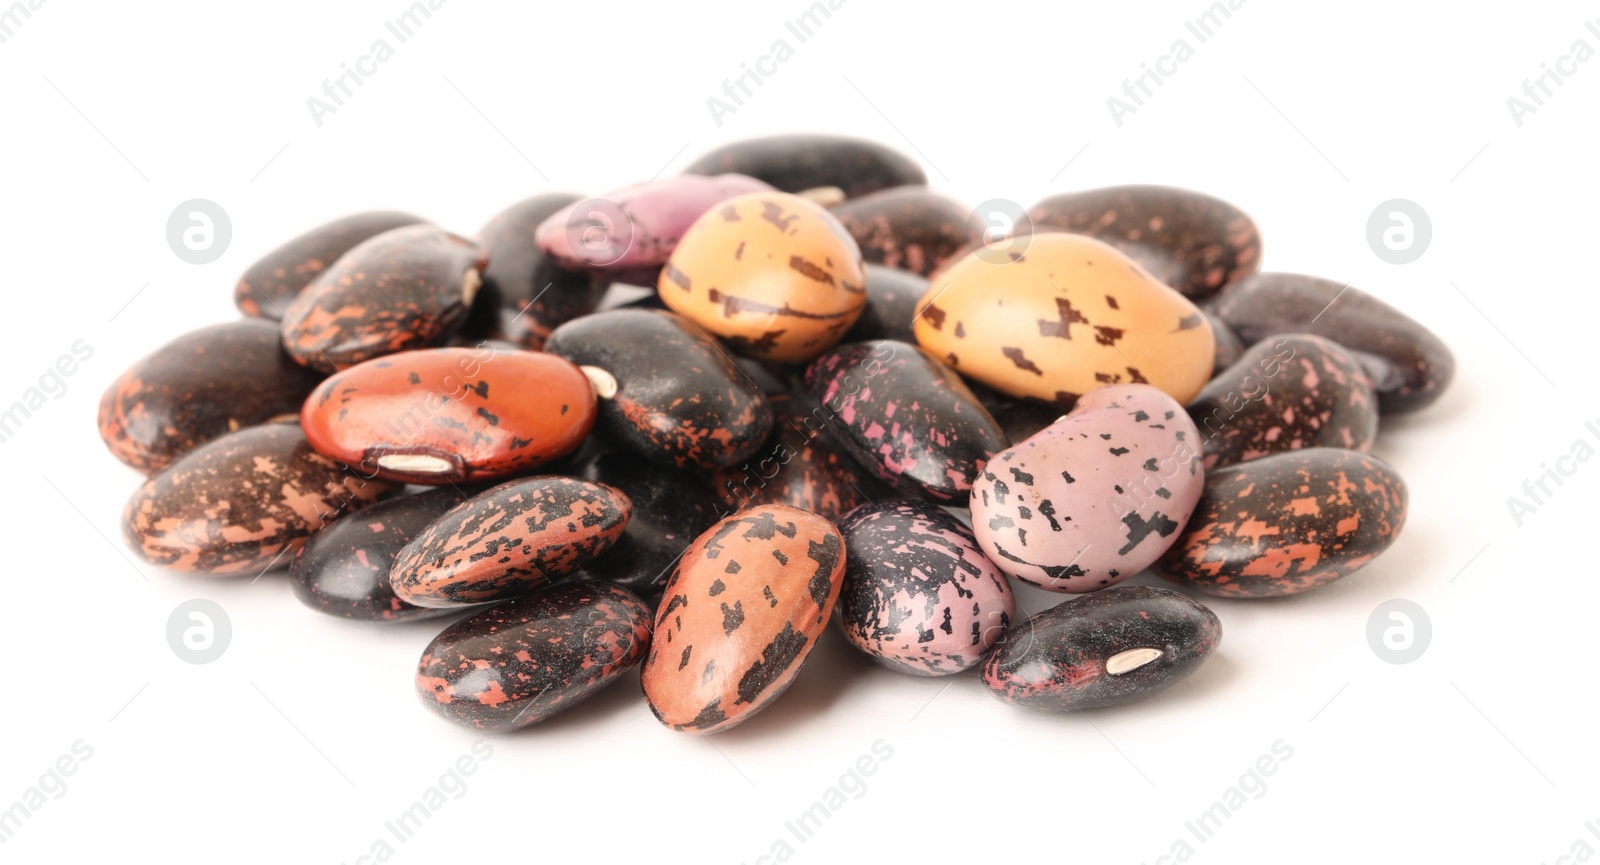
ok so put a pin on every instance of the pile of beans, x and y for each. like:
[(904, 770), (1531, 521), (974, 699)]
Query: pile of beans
[(842, 400)]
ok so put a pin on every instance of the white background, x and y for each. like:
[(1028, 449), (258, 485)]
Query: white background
[(306, 735)]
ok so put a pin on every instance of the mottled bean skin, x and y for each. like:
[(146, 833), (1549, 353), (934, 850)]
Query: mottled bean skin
[(906, 416), (798, 466), (521, 662), (509, 541), (909, 228), (1056, 661), (242, 503), (344, 569), (475, 413), (202, 385), (670, 509), (775, 276), (796, 163), (272, 283), (1191, 241), (404, 289), (633, 230), (919, 596), (1291, 391), (680, 399), (892, 297), (1065, 315), (742, 610), (525, 293), (1095, 497), (1287, 523), (1410, 366)]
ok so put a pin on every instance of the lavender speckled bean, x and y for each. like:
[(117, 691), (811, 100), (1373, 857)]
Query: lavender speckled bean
[(1095, 497), (918, 595), (632, 231)]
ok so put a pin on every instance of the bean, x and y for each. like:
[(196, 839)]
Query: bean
[(449, 415), (1103, 649), (273, 282), (202, 385), (407, 288), (242, 503), (521, 662), (742, 610), (508, 541)]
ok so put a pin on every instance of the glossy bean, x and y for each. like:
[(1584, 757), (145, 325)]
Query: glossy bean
[(449, 415), (919, 597), (509, 541), (798, 466), (268, 286), (1095, 497), (671, 508), (742, 611), (672, 394), (524, 661), (634, 230), (1288, 523), (909, 228), (242, 503), (525, 293), (774, 275), (1288, 392), (1409, 365), (407, 288), (344, 569), (797, 163), (202, 385), (906, 416), (1191, 241), (1065, 316), (1103, 649)]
